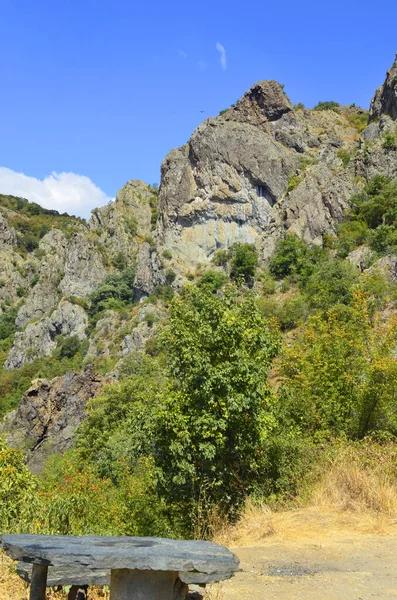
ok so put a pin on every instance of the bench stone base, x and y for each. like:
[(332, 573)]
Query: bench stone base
[(126, 584)]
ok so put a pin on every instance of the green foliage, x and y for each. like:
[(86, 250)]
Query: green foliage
[(244, 261), (350, 235), (115, 292), (131, 224), (331, 283), (122, 421), (292, 257), (345, 156), (7, 322), (288, 313), (358, 120), (212, 280), (328, 105), (293, 182), (32, 221), (221, 258), (17, 486), (219, 350), (338, 376), (70, 346), (389, 142), (167, 254), (170, 276)]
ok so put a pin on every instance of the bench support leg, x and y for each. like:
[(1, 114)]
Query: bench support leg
[(126, 584), (38, 582)]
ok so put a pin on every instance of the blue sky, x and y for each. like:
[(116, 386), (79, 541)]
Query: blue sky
[(104, 89)]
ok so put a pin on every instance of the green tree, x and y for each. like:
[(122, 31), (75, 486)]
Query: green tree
[(213, 419), (244, 261), (17, 488), (339, 378)]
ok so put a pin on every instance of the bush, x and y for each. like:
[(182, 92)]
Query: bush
[(292, 257), (7, 322), (116, 291), (331, 283), (244, 261), (212, 280), (328, 105), (17, 487)]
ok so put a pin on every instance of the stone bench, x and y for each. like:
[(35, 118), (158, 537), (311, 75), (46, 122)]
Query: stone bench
[(136, 568)]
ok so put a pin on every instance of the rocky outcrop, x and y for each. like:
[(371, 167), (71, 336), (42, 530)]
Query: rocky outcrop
[(39, 339), (84, 267), (49, 413), (120, 225), (385, 100), (148, 271), (7, 234)]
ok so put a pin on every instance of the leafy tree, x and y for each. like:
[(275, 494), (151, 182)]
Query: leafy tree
[(328, 105), (213, 280), (331, 282), (293, 257), (7, 322), (122, 420), (17, 486), (219, 350), (339, 378), (244, 261), (116, 291)]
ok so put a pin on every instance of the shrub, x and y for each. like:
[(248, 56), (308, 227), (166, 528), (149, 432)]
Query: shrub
[(293, 183), (7, 322), (116, 291), (328, 105), (331, 283), (244, 261), (221, 257), (212, 280), (17, 487), (389, 142), (292, 257)]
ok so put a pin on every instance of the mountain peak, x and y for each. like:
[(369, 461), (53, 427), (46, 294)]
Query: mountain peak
[(384, 101)]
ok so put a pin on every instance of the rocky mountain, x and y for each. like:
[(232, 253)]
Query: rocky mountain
[(260, 169)]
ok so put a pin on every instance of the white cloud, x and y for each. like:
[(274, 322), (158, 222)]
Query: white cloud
[(202, 65), (222, 52), (65, 192), (182, 53)]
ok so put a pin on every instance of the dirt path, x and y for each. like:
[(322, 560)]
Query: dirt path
[(325, 561)]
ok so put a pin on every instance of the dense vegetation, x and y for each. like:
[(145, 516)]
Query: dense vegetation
[(31, 222), (255, 377)]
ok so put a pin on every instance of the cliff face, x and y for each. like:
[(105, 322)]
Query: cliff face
[(385, 100), (260, 169)]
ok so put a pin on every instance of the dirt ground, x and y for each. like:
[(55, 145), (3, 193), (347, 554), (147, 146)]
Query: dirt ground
[(307, 554), (315, 556)]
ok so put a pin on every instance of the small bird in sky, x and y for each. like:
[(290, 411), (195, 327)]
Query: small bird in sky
[(201, 110)]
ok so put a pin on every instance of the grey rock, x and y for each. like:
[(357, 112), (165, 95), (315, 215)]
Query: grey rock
[(264, 102), (39, 339), (84, 267), (148, 271), (67, 576), (317, 204), (120, 224), (190, 558), (7, 234), (361, 257), (49, 414), (384, 101)]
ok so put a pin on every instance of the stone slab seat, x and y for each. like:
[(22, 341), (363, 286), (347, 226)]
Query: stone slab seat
[(150, 566)]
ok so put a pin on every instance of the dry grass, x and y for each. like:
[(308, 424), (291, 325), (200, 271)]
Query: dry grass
[(355, 490), (13, 588)]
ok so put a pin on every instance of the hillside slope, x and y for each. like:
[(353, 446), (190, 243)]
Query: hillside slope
[(73, 292)]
